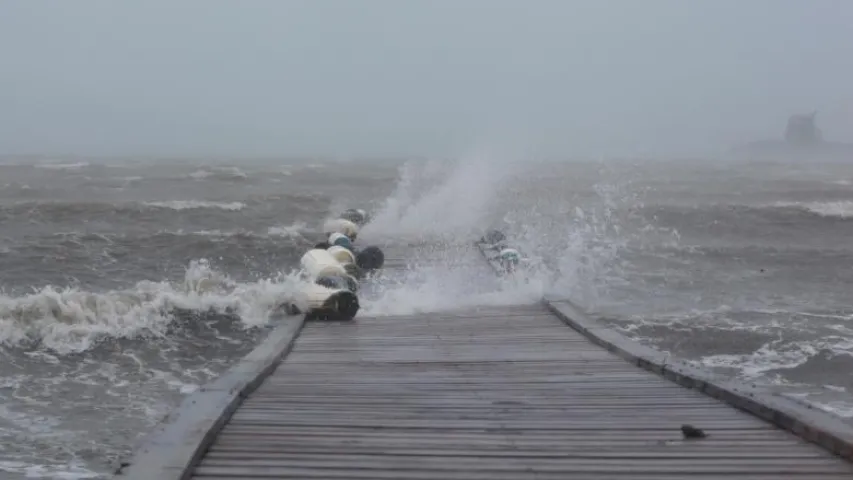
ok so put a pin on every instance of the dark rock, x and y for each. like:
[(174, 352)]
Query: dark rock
[(689, 432)]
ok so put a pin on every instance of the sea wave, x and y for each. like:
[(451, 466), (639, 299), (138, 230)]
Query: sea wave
[(62, 166), (60, 208), (67, 320), (230, 174), (837, 209), (196, 204)]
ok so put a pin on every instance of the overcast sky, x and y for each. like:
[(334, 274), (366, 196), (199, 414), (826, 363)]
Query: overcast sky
[(386, 77)]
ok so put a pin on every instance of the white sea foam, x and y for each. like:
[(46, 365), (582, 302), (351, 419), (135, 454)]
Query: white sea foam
[(196, 204), (294, 230), (219, 173), (66, 320), (780, 355), (73, 471), (838, 209), (63, 166)]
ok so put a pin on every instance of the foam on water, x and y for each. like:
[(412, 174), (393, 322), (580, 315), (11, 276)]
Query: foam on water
[(66, 320), (193, 204), (219, 173), (839, 209), (450, 286), (291, 231), (63, 166)]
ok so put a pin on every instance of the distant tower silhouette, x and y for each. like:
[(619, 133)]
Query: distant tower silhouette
[(802, 130)]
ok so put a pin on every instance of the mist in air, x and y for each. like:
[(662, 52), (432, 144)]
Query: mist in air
[(390, 78)]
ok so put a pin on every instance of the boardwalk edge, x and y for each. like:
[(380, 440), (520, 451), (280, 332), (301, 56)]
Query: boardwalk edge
[(813, 425), (177, 444), (816, 426)]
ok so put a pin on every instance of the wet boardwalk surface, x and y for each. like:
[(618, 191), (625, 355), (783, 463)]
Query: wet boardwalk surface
[(492, 394)]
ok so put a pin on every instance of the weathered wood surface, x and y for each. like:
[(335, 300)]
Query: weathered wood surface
[(819, 427), (497, 393), (813, 425)]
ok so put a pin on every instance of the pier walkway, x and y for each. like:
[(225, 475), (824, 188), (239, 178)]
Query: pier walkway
[(524, 392)]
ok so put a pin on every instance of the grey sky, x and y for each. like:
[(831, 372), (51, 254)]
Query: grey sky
[(382, 77)]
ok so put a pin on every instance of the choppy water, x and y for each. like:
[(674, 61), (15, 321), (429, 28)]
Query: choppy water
[(126, 284)]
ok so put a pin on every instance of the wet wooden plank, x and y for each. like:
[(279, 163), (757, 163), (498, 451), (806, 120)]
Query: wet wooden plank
[(488, 396), (337, 474), (812, 425), (519, 463)]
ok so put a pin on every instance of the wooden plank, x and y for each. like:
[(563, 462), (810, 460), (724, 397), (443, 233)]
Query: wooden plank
[(457, 465), (545, 463), (491, 393), (820, 428), (337, 474), (366, 440), (473, 397), (644, 424), (458, 431), (676, 416), (640, 403), (222, 455)]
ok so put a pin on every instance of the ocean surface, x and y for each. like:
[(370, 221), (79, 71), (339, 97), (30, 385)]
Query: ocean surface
[(125, 284)]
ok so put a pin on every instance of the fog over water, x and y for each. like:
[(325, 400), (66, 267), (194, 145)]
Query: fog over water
[(381, 77)]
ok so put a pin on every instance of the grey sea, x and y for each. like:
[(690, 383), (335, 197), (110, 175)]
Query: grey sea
[(125, 284)]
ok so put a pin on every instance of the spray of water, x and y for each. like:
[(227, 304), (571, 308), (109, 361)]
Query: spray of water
[(442, 200), (571, 251)]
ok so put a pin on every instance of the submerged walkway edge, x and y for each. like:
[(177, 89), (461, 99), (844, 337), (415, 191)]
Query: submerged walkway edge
[(179, 442), (814, 425)]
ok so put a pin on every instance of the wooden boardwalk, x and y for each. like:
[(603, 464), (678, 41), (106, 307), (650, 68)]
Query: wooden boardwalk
[(490, 394)]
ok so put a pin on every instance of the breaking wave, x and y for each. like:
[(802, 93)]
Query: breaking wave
[(737, 214), (62, 166), (195, 204), (61, 210), (838, 209), (68, 320), (219, 173)]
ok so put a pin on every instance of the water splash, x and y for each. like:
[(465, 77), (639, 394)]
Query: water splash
[(442, 199), (68, 320), (572, 251)]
